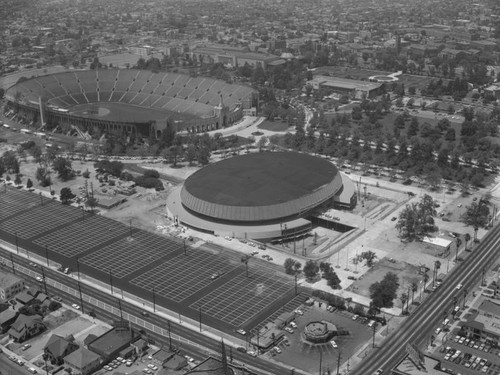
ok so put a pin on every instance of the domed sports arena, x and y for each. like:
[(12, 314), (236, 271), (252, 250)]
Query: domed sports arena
[(265, 195), (125, 101)]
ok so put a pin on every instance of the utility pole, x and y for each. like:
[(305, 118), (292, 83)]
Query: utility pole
[(47, 255), (373, 338), (81, 299), (169, 336), (338, 364), (120, 307), (78, 267), (44, 281), (320, 362), (200, 318), (111, 282), (12, 262)]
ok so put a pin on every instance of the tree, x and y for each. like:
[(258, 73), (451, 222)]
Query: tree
[(190, 154), (311, 270), (66, 195), (404, 298), (417, 220), (437, 267), (29, 183), (383, 293), (289, 266), (467, 238), (91, 202), (476, 215), (18, 180), (414, 288), (369, 256), (43, 176), (63, 167)]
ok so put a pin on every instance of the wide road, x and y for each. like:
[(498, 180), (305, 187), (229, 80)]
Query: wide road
[(110, 308), (420, 326)]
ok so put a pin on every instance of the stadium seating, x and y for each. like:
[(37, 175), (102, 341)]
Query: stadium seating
[(92, 97), (104, 96), (170, 91), (116, 96)]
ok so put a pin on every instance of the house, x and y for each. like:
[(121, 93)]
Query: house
[(25, 327), (83, 361), (25, 298), (7, 317), (10, 285), (59, 347)]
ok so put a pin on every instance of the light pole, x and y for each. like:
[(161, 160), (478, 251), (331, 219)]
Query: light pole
[(47, 255), (78, 267), (154, 301), (130, 225), (111, 282), (81, 299), (17, 244), (200, 317)]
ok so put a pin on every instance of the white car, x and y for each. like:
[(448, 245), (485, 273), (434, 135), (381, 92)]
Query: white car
[(39, 279), (299, 312), (288, 329), (277, 349), (241, 332), (459, 286), (293, 325), (75, 306), (334, 344), (438, 329), (355, 317), (252, 353)]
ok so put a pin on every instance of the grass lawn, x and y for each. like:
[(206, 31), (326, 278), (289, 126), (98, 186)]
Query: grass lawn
[(275, 126)]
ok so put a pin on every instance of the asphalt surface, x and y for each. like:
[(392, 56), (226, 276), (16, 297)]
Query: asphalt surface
[(419, 327), (189, 342)]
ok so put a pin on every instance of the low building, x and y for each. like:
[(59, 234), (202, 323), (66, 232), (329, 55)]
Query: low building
[(484, 325), (112, 342), (59, 347), (25, 327), (83, 361), (10, 285), (429, 366)]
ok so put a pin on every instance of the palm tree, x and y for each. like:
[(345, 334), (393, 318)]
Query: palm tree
[(466, 239), (476, 228), (414, 288), (437, 266), (403, 298)]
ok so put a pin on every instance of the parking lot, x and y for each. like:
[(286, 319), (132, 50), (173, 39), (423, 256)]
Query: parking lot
[(467, 356), (302, 355)]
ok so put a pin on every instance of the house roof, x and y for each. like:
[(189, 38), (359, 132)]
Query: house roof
[(22, 322), (57, 345), (81, 358), (24, 297), (7, 315)]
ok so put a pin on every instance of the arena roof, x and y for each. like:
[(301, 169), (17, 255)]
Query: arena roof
[(261, 186), (345, 83)]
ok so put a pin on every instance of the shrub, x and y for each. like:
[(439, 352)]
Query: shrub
[(151, 173), (86, 174), (127, 176), (149, 182)]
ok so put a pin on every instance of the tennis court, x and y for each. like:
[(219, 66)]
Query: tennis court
[(130, 254), (82, 235), (184, 275), (240, 299)]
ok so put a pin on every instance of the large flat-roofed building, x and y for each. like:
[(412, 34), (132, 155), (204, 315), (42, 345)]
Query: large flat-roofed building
[(353, 88), (235, 56), (10, 285)]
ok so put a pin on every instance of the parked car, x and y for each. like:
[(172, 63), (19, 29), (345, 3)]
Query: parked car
[(241, 332), (289, 330)]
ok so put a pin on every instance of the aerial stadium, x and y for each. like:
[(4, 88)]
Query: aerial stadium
[(265, 195), (126, 101)]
